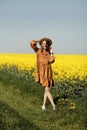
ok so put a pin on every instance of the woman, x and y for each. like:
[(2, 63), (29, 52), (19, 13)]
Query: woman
[(44, 70)]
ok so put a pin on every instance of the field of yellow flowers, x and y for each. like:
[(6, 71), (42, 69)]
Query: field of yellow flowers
[(65, 66)]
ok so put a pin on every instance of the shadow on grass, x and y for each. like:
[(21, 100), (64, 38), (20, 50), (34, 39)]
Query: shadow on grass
[(10, 119)]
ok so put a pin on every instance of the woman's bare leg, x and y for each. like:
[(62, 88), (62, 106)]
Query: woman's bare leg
[(47, 94), (45, 98), (47, 89)]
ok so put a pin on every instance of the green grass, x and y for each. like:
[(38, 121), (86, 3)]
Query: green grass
[(20, 107)]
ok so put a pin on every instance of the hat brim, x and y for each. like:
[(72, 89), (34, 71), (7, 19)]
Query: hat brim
[(48, 41)]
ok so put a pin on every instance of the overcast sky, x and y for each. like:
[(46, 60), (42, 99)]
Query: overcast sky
[(63, 21)]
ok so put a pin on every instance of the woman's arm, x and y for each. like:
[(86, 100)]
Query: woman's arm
[(51, 59), (33, 45)]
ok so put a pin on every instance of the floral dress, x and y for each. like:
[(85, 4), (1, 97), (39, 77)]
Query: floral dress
[(43, 66)]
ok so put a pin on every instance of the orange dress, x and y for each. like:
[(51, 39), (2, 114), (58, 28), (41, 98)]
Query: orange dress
[(43, 66)]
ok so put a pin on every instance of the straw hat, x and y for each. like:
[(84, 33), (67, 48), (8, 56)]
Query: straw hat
[(48, 41)]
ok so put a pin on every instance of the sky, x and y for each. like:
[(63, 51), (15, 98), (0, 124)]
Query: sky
[(63, 21)]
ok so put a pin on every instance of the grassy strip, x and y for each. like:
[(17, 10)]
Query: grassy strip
[(20, 107)]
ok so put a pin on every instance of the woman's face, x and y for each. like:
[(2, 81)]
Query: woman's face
[(44, 45)]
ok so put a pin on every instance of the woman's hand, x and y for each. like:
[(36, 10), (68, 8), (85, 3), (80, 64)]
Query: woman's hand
[(51, 51), (34, 42)]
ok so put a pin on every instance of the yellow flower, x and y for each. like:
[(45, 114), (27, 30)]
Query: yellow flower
[(72, 106)]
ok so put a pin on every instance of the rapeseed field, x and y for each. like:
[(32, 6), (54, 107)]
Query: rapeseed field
[(65, 66)]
